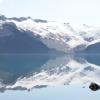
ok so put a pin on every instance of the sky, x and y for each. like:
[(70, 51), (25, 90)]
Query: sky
[(1, 1), (72, 11)]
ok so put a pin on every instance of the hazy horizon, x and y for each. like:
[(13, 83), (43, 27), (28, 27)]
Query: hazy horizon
[(77, 11)]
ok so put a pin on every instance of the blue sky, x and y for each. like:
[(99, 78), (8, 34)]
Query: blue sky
[(74, 11)]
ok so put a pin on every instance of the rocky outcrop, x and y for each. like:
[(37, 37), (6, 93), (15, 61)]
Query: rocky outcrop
[(94, 86)]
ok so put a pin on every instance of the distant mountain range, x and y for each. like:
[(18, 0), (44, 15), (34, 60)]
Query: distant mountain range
[(28, 35)]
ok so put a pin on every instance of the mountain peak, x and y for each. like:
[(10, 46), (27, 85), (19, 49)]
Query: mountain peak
[(19, 19), (63, 37), (2, 17), (40, 21)]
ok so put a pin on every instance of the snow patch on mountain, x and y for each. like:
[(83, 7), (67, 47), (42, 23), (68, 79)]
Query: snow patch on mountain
[(63, 37)]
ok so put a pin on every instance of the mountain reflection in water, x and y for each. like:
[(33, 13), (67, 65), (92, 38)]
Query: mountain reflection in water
[(25, 72)]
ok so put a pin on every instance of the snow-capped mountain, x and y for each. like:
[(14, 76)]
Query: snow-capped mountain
[(64, 37), (59, 70)]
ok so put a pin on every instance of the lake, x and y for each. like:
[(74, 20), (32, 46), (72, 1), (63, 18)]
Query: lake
[(49, 77)]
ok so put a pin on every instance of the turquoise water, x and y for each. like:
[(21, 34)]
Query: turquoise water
[(49, 77)]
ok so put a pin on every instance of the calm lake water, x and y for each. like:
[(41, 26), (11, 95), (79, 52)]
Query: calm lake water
[(49, 77)]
